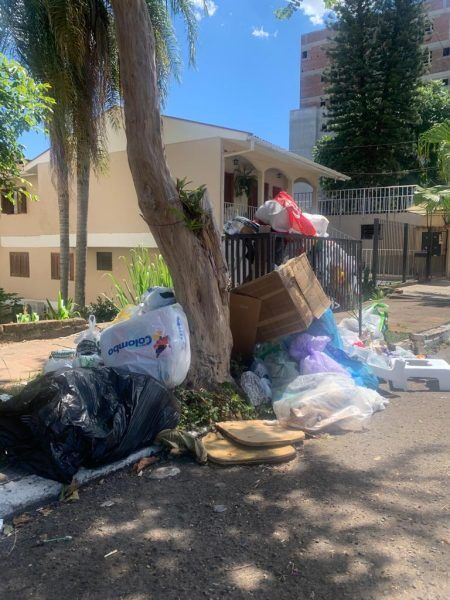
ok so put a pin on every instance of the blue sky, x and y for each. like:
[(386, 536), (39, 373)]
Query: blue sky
[(247, 71)]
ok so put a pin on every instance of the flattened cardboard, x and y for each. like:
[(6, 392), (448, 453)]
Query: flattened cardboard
[(260, 434), (225, 452), (291, 297)]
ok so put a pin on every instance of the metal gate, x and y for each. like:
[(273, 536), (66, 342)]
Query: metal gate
[(337, 263), (401, 251)]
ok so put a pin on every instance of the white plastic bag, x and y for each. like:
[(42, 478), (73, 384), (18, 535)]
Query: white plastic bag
[(156, 297), (91, 333), (325, 402), (59, 359), (273, 214), (320, 224), (155, 343)]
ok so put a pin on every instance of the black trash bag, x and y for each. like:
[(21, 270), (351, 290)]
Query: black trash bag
[(83, 417)]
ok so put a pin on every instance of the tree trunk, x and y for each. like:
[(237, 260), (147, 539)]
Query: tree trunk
[(62, 186), (83, 173), (195, 260)]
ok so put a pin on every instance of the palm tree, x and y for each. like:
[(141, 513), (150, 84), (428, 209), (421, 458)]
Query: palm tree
[(79, 60), (29, 35)]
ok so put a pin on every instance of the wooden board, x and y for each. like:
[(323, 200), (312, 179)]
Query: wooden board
[(224, 452), (261, 434)]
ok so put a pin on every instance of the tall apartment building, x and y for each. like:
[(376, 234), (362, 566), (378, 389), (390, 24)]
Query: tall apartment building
[(307, 123)]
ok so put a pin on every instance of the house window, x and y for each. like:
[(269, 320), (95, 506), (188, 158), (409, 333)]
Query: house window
[(368, 231), (445, 82), (18, 207), (104, 261), (55, 266), (428, 57), (19, 264), (305, 54), (7, 206), (446, 51)]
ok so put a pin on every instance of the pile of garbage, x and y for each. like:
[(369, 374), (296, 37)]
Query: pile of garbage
[(316, 374), (281, 215), (106, 399)]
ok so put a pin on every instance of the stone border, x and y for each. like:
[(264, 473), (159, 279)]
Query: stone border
[(430, 339), (40, 330)]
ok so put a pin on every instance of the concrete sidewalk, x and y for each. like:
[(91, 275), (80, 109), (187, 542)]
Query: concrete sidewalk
[(22, 361), (419, 307)]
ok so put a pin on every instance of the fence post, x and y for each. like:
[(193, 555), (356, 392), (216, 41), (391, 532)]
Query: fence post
[(405, 251), (359, 271), (429, 252), (376, 238)]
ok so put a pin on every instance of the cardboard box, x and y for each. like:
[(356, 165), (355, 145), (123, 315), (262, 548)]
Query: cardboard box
[(282, 302)]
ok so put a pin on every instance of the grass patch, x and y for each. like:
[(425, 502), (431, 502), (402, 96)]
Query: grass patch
[(394, 337), (202, 408)]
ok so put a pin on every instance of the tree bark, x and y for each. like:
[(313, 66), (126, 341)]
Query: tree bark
[(62, 186), (83, 174), (195, 260)]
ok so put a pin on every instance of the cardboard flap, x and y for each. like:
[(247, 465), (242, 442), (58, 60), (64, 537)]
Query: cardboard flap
[(282, 302), (244, 318)]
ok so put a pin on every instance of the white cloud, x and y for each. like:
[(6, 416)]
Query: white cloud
[(199, 8), (260, 32), (315, 10)]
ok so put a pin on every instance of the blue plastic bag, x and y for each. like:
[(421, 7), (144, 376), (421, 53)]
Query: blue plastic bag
[(327, 325)]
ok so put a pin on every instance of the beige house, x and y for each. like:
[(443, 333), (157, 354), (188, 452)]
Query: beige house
[(205, 154)]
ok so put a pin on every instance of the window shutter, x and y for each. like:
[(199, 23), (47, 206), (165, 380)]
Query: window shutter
[(54, 265), (7, 206), (19, 264), (21, 203), (104, 261)]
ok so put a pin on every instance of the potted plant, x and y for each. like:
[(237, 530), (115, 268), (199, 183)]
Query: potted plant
[(244, 180)]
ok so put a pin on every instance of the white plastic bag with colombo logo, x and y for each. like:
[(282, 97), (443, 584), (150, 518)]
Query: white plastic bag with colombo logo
[(155, 343)]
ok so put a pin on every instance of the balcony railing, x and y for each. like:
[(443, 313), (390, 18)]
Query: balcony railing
[(232, 210), (304, 200), (367, 201)]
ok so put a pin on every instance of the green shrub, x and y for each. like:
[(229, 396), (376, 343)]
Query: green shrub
[(10, 304), (27, 316), (103, 309), (142, 274), (63, 310), (200, 408)]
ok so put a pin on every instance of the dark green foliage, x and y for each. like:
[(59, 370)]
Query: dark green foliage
[(10, 305), (104, 310), (200, 408), (376, 62), (194, 214)]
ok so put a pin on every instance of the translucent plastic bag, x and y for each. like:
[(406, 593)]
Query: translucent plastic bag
[(304, 344), (155, 343), (319, 362), (156, 297), (91, 334), (325, 402)]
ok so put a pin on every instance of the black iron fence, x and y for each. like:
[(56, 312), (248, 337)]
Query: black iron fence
[(337, 263)]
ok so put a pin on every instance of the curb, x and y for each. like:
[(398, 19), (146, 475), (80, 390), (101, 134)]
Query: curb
[(431, 338), (31, 491)]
